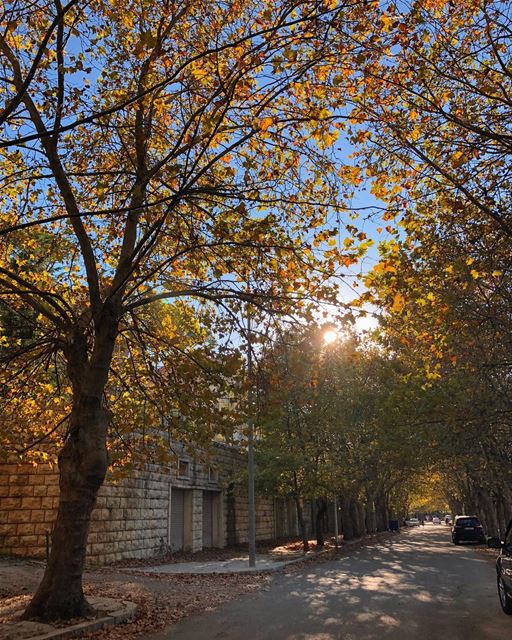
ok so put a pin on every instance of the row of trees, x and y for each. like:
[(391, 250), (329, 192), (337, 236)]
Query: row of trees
[(165, 163), (333, 423), (444, 276), (366, 421)]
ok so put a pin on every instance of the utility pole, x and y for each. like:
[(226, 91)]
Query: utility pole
[(250, 451)]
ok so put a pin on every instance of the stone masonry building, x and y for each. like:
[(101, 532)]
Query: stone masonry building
[(186, 506)]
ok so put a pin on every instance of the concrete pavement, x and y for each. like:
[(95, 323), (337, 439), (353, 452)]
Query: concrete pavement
[(416, 586), (232, 565)]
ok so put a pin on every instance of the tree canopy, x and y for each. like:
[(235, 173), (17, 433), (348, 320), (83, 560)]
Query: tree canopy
[(167, 166)]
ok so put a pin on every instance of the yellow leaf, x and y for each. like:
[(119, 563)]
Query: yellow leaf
[(398, 303)]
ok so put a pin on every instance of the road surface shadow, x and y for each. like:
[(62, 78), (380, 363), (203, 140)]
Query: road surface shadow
[(417, 585)]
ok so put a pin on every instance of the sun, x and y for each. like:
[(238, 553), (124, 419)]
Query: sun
[(330, 336)]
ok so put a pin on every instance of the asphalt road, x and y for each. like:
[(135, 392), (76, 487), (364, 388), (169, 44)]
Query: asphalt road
[(416, 586)]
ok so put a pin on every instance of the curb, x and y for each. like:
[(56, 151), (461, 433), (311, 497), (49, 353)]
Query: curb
[(125, 613)]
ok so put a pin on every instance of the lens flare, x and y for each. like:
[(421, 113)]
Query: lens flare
[(330, 336)]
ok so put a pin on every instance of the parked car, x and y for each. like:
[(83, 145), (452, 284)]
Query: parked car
[(447, 519), (412, 522), (504, 568), (435, 520), (467, 529)]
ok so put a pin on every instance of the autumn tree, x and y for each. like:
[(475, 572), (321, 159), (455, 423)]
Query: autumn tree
[(293, 454), (167, 151), (434, 108), (447, 319), (336, 420), (432, 122)]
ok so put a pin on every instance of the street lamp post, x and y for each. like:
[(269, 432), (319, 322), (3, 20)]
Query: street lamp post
[(250, 453), (330, 336)]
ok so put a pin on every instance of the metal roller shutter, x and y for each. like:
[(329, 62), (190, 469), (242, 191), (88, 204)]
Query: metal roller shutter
[(207, 519), (177, 519)]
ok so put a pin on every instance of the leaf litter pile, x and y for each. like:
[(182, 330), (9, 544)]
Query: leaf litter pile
[(167, 599)]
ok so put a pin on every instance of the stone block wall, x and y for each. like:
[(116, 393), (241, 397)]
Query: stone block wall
[(28, 503), (129, 520), (233, 479), (265, 524), (197, 521), (132, 516)]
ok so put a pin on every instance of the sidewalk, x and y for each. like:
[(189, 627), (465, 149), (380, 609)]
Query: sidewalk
[(233, 565)]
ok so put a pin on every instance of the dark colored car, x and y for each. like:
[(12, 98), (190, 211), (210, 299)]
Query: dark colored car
[(467, 529), (504, 568)]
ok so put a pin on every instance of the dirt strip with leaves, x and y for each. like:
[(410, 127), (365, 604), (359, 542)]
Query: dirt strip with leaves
[(167, 599)]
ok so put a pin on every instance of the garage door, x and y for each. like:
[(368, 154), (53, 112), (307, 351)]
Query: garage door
[(177, 519), (207, 519)]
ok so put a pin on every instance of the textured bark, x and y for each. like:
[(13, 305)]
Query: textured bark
[(504, 507), (83, 463), (346, 520), (321, 510), (370, 521), (487, 511), (302, 525), (381, 511), (361, 517), (354, 516), (60, 594), (455, 506)]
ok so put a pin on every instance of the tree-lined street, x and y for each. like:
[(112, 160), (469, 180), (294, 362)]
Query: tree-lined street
[(415, 586), (256, 287)]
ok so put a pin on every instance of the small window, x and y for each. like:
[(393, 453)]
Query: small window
[(213, 474), (183, 469)]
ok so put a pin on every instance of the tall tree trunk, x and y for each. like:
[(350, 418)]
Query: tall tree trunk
[(361, 511), (83, 463), (321, 509), (354, 516), (82, 471), (302, 525), (487, 509), (455, 505), (504, 507), (346, 521), (381, 511), (370, 521)]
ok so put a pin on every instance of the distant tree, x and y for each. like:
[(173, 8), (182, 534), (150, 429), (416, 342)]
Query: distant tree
[(334, 420)]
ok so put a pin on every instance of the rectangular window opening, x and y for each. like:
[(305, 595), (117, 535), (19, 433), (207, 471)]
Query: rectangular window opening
[(183, 469)]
